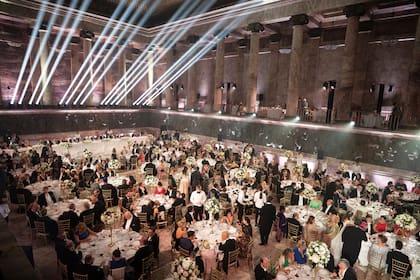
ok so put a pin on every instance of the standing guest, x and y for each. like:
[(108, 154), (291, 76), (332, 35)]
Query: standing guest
[(189, 216), (400, 185), (300, 252), (227, 245), (389, 188), (259, 200), (377, 258), (282, 224), (396, 254), (332, 228), (117, 261), (268, 216), (241, 202), (352, 238), (47, 198), (330, 190), (244, 236), (345, 271), (198, 197), (381, 225), (260, 270), (311, 230)]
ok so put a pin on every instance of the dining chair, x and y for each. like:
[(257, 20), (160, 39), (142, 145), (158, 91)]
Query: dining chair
[(293, 232), (184, 252), (118, 273), (40, 230), (21, 202), (89, 219), (133, 162), (149, 171), (178, 213), (147, 265), (398, 269), (77, 276), (233, 259), (143, 219), (162, 222), (62, 270), (216, 274), (107, 194), (63, 226), (287, 199), (249, 257)]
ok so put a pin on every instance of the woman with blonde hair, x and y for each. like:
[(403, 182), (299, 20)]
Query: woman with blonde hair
[(209, 257), (332, 228), (286, 260), (82, 233)]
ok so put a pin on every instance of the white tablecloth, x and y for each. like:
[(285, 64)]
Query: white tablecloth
[(211, 161), (54, 211), (126, 241), (36, 188), (117, 180), (321, 218), (286, 183), (163, 199), (303, 272), (212, 231), (233, 192), (376, 209), (251, 172), (406, 196)]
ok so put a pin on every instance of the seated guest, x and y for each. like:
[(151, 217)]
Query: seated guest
[(358, 192), (188, 243), (47, 198), (316, 203), (396, 254), (87, 210), (143, 252), (228, 218), (300, 252), (180, 231), (70, 215), (93, 272), (127, 200), (71, 259), (332, 228), (158, 212), (244, 237), (124, 186), (148, 209), (33, 213), (390, 201), (160, 189), (98, 208), (129, 221), (298, 199), (367, 225), (142, 190), (209, 257), (51, 226), (389, 189), (286, 260), (329, 207), (179, 200), (171, 192), (377, 258), (189, 216), (82, 233), (311, 230), (261, 272), (400, 185), (117, 261), (227, 245), (114, 193), (153, 240), (345, 271), (152, 167), (295, 220), (339, 199), (381, 225)]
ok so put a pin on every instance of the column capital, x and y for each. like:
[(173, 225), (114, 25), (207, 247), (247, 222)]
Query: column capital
[(255, 27), (300, 19), (354, 10)]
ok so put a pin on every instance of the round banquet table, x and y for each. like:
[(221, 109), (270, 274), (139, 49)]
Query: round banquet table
[(211, 161), (376, 209), (250, 171), (126, 241), (155, 162), (36, 188), (321, 218), (117, 180), (406, 196), (286, 183), (411, 248), (212, 231), (144, 200), (54, 211), (233, 193), (304, 272)]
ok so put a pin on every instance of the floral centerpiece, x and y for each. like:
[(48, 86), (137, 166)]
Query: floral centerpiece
[(308, 193), (415, 179), (151, 181), (87, 154), (184, 268), (111, 216), (240, 173), (248, 149), (208, 147), (246, 156), (68, 184), (129, 143), (175, 143), (150, 136), (44, 166), (343, 167), (114, 164), (288, 154), (372, 188), (156, 151), (298, 169), (190, 161), (212, 205), (318, 253), (406, 222)]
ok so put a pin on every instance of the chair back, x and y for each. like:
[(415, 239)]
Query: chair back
[(107, 194), (40, 227), (398, 269), (216, 274), (62, 270), (178, 213), (20, 198), (118, 273), (63, 225), (147, 264), (149, 171), (292, 231), (250, 246), (184, 252), (142, 218), (89, 219), (77, 276), (233, 258)]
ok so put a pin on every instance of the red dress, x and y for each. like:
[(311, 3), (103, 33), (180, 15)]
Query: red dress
[(380, 227), (160, 191)]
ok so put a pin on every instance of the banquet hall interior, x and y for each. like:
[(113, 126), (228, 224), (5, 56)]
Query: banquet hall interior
[(215, 139)]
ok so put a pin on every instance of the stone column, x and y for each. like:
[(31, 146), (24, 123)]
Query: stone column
[(170, 92), (87, 46), (47, 98), (191, 88), (295, 68), (75, 61), (122, 69), (274, 70), (410, 112), (251, 91), (150, 77), (343, 98), (219, 75)]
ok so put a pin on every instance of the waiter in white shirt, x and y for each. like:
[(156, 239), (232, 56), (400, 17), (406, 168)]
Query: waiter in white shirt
[(197, 198), (259, 200), (242, 200)]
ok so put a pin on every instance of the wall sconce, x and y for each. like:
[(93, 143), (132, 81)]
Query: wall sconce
[(330, 84)]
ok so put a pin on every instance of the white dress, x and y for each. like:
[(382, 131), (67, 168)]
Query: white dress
[(184, 184)]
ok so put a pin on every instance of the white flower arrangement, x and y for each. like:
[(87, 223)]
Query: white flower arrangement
[(212, 205), (208, 147), (44, 166), (129, 143), (240, 173), (175, 143), (416, 179), (406, 222), (308, 193), (114, 164), (111, 215), (343, 167), (87, 154), (156, 151), (372, 188), (298, 169), (190, 161), (246, 156), (67, 145), (184, 268), (318, 253), (288, 154), (248, 149), (150, 136), (68, 184), (151, 181)]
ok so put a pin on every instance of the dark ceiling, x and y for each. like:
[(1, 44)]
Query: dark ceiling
[(160, 15)]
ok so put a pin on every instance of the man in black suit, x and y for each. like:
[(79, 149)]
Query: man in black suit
[(114, 193), (130, 221), (329, 207), (227, 245), (47, 198), (345, 272), (396, 254), (196, 178), (124, 186), (152, 166), (143, 252), (171, 192), (260, 270), (51, 226), (268, 216), (171, 179), (358, 192), (189, 216), (153, 240), (387, 190), (298, 199), (295, 220), (87, 210), (352, 241), (94, 272), (70, 215), (71, 259), (98, 208), (339, 199), (330, 189)]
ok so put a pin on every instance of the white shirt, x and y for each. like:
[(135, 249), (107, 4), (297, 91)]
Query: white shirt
[(259, 202), (300, 202), (48, 199), (241, 197), (128, 223), (198, 199), (327, 209)]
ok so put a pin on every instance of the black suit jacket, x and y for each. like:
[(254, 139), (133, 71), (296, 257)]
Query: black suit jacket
[(72, 216), (94, 272), (329, 190), (260, 274), (349, 274), (228, 246), (330, 211), (154, 242), (399, 256), (196, 179), (189, 218), (295, 200), (172, 182), (98, 208), (114, 193), (151, 165), (42, 200), (141, 253), (352, 240), (268, 216), (353, 194)]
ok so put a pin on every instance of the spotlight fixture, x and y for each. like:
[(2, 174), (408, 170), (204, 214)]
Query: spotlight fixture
[(182, 87), (171, 87), (222, 85), (86, 34), (390, 88), (325, 85), (254, 115), (169, 108), (297, 118), (372, 88), (219, 112), (333, 84), (352, 123), (192, 110), (234, 86)]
